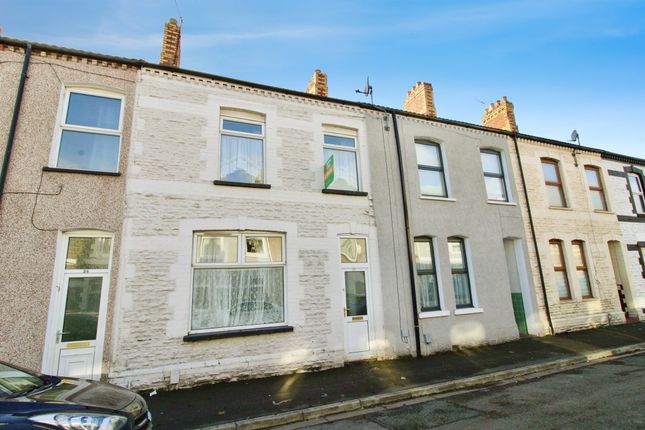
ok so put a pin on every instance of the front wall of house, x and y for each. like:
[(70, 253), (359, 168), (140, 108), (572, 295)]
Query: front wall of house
[(30, 228), (483, 225), (576, 222), (171, 195), (633, 230)]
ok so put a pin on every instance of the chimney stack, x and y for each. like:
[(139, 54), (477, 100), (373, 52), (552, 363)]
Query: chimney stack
[(420, 99), (170, 48), (500, 114), (318, 84)]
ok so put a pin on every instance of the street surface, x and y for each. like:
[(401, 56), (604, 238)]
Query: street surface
[(607, 395)]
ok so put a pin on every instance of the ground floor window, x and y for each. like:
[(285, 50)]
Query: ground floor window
[(459, 269), (238, 280)]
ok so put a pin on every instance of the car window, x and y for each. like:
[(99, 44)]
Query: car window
[(14, 381)]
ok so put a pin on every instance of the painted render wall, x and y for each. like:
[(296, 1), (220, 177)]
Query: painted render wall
[(170, 195), (468, 214), (86, 201), (633, 232), (576, 222)]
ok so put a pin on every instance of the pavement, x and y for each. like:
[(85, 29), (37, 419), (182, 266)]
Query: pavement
[(279, 400)]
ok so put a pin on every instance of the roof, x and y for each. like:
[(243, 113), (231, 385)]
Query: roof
[(142, 63)]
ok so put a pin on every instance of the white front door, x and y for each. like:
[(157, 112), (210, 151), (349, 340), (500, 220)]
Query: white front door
[(80, 305), (357, 333)]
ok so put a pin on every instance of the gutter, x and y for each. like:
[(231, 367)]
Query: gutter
[(535, 243), (14, 119), (408, 235)]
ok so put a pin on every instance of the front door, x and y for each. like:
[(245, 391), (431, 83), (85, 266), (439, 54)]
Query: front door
[(81, 303), (357, 337)]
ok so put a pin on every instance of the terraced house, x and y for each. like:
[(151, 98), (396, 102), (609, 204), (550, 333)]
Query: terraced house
[(625, 184), (578, 252), (65, 125)]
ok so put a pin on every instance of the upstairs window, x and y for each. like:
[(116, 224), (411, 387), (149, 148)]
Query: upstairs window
[(582, 274), (596, 190), (459, 269), (342, 153), (636, 189), (431, 170), (560, 270), (90, 132), (553, 182), (242, 151), (238, 280), (494, 176), (427, 274)]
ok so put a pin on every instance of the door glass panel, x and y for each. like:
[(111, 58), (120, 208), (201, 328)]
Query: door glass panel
[(88, 253), (355, 295), (82, 309), (353, 251)]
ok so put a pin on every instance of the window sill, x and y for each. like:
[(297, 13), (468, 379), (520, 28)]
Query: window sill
[(85, 172), (598, 211), (560, 208), (241, 184), (193, 337), (441, 199), (434, 314), (344, 192), (468, 311), (498, 202)]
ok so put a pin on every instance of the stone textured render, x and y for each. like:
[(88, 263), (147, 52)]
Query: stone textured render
[(171, 195), (318, 84), (500, 114), (633, 231), (30, 224), (578, 221), (420, 99), (171, 45)]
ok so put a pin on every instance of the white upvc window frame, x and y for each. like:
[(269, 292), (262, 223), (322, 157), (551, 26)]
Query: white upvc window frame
[(348, 135), (240, 264), (262, 137), (62, 126)]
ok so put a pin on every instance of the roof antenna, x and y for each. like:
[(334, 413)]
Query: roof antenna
[(368, 90), (575, 137), (181, 18)]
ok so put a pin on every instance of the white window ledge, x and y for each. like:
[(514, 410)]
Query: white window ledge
[(441, 199), (434, 314), (561, 208), (467, 311), (598, 211), (496, 202)]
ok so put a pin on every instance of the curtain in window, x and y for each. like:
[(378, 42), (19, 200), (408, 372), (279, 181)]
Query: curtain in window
[(429, 293), (345, 171), (462, 289), (242, 159), (237, 297)]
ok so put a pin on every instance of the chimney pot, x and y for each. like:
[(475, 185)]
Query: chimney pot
[(420, 99), (171, 45), (500, 115), (318, 84)]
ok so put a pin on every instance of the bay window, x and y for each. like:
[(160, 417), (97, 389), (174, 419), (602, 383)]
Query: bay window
[(238, 280)]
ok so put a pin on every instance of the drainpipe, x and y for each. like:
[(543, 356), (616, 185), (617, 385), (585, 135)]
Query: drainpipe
[(14, 119), (535, 244), (408, 234)]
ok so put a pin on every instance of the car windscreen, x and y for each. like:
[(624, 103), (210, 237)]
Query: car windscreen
[(14, 381)]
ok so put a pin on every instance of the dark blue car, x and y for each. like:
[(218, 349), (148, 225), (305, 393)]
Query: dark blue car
[(33, 401)]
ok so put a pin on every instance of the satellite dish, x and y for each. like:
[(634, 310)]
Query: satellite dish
[(574, 136)]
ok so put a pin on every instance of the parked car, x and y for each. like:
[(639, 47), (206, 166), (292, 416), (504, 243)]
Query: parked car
[(29, 400)]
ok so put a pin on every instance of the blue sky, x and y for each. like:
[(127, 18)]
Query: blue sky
[(564, 64)]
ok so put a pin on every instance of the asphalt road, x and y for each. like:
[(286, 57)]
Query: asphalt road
[(607, 395)]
